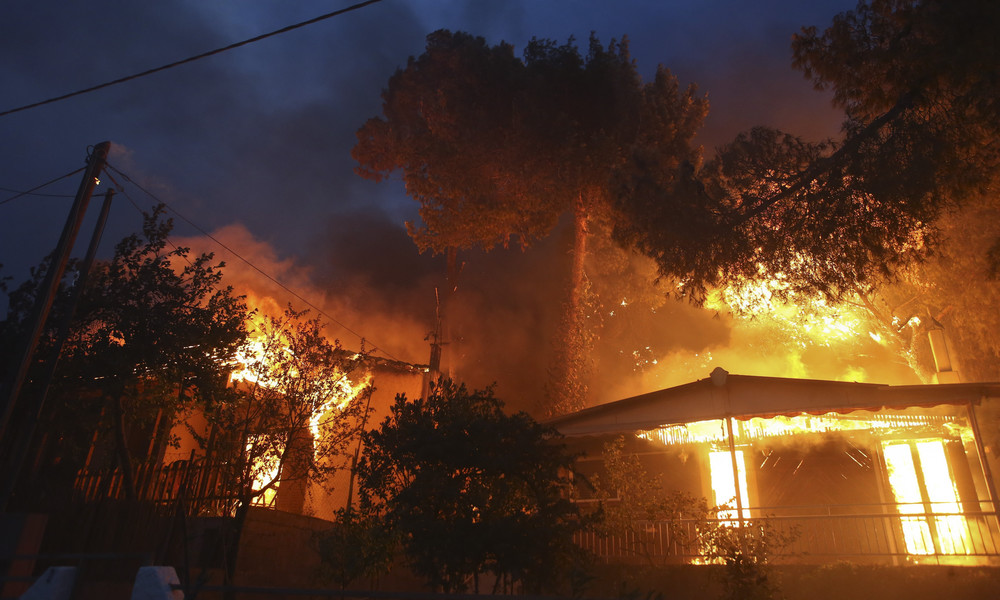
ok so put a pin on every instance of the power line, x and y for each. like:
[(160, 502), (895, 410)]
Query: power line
[(193, 58), (29, 193), (32, 190), (244, 260)]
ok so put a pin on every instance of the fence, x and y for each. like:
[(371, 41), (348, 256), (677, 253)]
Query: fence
[(885, 535), (200, 487)]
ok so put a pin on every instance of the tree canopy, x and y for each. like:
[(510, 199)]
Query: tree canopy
[(917, 81), (497, 148), (153, 332)]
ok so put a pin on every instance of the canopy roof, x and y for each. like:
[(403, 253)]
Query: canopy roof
[(743, 396)]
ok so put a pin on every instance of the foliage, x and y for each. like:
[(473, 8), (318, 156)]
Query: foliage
[(631, 498), (359, 545), (917, 82), (920, 136), (497, 148), (952, 291), (149, 313), (153, 310), (744, 550), (471, 490), (151, 335), (293, 411)]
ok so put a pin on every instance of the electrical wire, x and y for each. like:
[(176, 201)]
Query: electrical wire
[(178, 63), (20, 193), (32, 190), (111, 169)]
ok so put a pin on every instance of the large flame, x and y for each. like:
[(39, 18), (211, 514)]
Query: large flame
[(782, 426), (724, 484), (926, 497), (329, 409), (254, 365), (755, 330)]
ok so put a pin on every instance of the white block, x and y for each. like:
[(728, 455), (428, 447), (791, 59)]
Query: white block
[(56, 583), (156, 583)]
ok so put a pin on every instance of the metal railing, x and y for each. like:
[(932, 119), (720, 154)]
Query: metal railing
[(881, 533)]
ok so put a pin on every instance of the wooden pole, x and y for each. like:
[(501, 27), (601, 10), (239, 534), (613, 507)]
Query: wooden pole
[(46, 297), (53, 276)]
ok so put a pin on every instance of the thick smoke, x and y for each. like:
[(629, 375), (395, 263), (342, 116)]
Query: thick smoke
[(366, 273), (353, 307), (255, 146)]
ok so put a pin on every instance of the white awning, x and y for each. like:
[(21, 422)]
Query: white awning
[(744, 396)]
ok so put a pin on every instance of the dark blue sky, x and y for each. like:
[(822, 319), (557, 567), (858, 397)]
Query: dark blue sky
[(260, 137)]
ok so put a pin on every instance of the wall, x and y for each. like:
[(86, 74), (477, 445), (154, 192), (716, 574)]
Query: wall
[(831, 582)]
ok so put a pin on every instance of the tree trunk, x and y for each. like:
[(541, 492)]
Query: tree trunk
[(121, 443), (578, 276), (570, 368), (452, 274), (231, 547)]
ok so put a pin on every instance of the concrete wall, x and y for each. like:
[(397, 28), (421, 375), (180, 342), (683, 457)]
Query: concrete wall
[(831, 582)]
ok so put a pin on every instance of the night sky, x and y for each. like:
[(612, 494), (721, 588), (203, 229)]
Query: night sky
[(255, 143)]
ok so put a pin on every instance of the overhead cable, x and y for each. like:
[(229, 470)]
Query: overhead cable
[(32, 190), (192, 58), (31, 193)]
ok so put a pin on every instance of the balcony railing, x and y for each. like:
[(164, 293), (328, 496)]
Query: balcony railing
[(875, 533)]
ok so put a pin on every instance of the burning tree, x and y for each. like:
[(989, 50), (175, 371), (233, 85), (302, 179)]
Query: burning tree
[(289, 417), (920, 136), (893, 219), (917, 81), (497, 148)]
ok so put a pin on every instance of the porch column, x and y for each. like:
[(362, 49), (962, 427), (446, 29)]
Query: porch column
[(984, 460), (736, 468)]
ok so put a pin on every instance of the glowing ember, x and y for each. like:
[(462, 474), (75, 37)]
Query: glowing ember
[(781, 426)]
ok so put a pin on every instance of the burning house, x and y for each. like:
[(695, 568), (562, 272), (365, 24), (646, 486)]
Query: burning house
[(858, 471)]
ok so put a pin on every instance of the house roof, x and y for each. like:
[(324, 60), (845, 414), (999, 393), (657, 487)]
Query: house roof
[(743, 396)]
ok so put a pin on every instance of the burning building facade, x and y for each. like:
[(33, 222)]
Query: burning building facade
[(845, 471)]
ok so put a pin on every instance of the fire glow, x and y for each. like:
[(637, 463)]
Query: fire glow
[(257, 364), (926, 497), (781, 426), (916, 465)]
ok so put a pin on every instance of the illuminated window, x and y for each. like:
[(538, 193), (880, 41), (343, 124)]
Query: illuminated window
[(724, 484), (926, 497)]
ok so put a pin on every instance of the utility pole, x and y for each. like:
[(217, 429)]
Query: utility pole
[(53, 276), (21, 437)]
